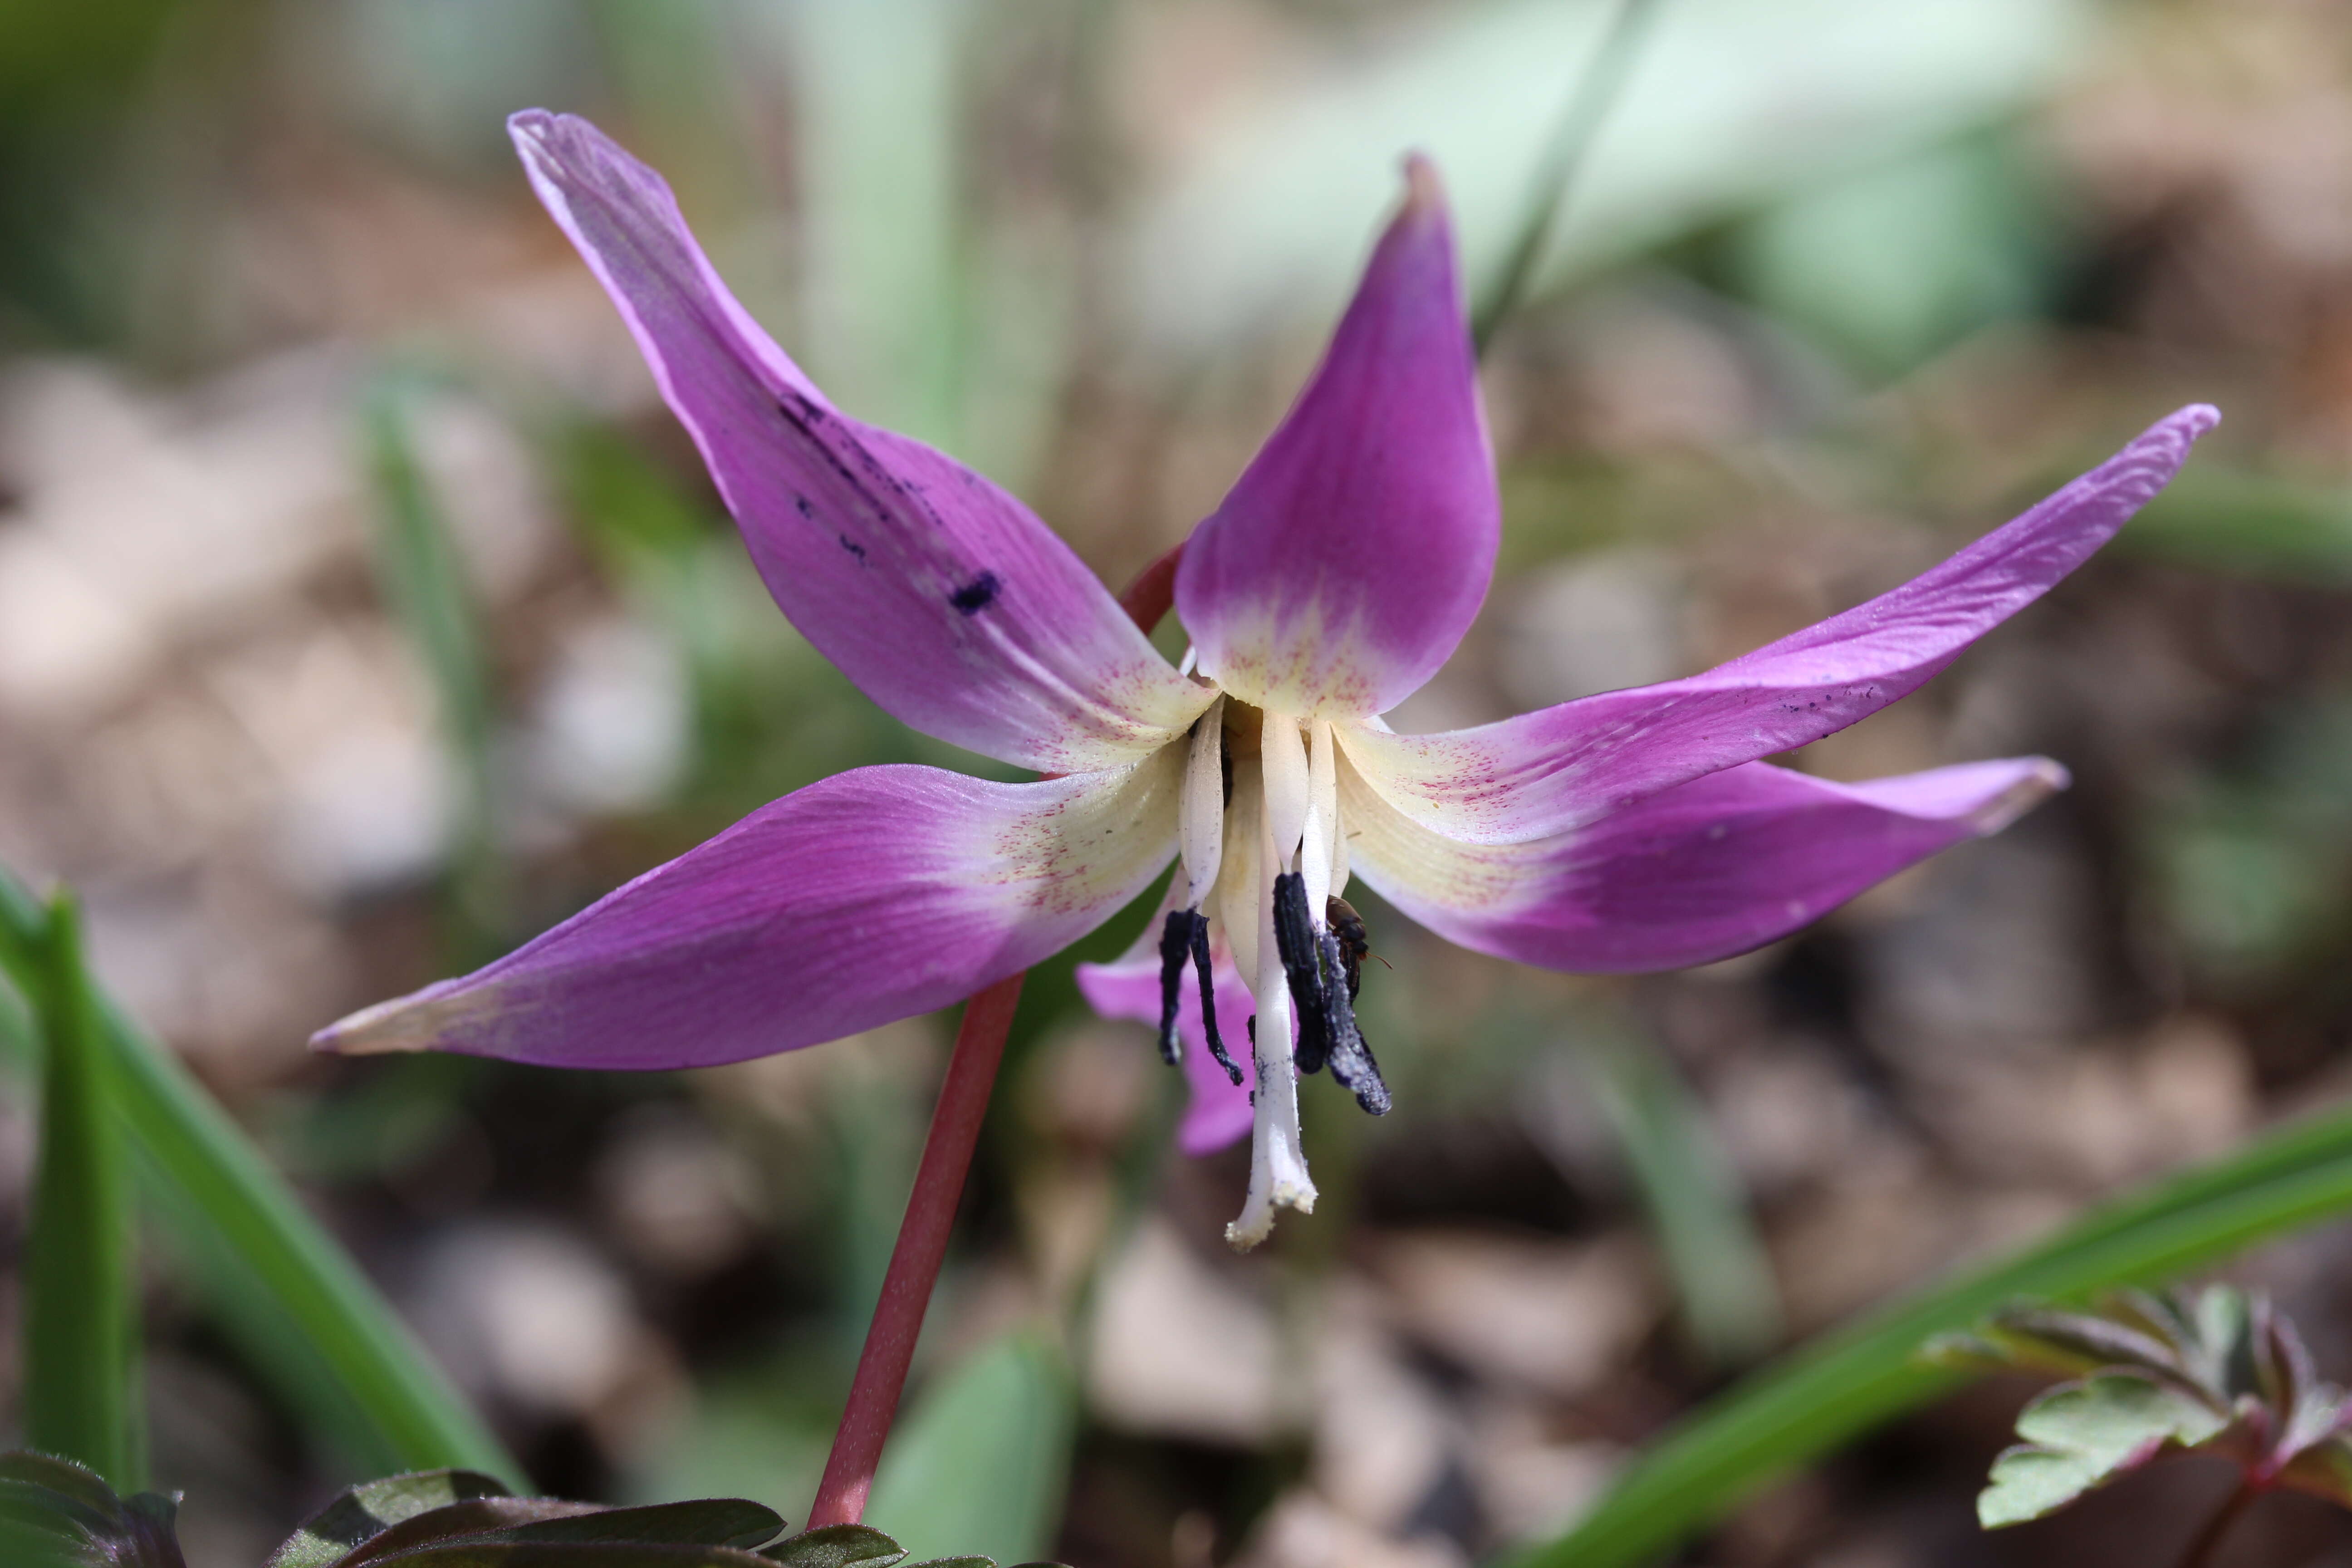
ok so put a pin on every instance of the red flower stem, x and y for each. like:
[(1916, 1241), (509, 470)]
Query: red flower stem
[(2201, 1551), (922, 1243), (915, 1261)]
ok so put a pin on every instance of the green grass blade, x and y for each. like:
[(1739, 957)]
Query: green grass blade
[(424, 582), (299, 1302), (980, 1464), (81, 1325), (1596, 92), (1844, 1383), (1730, 1302)]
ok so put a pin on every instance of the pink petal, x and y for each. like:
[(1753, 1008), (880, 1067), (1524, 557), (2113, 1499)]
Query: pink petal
[(940, 595), (1547, 771), (1714, 868), (871, 896), (1356, 547), (1128, 987)]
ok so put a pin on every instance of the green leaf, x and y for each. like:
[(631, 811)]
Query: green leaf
[(2083, 1435), (707, 1522), (2254, 525), (957, 1562), (1841, 1384), (1730, 1302), (480, 1519), (1901, 260), (56, 1514), (303, 1309), (836, 1546), (2080, 1342), (81, 1327), (2324, 1470), (571, 1554), (982, 1458), (367, 1511), (431, 1516), (425, 582), (1731, 105)]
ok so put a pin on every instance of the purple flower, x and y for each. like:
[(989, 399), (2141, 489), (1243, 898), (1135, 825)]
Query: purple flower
[(1634, 830)]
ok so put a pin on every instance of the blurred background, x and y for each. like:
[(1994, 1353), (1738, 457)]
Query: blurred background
[(362, 613)]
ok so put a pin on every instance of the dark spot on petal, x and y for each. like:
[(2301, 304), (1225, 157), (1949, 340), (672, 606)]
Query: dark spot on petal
[(801, 504), (853, 547), (977, 595)]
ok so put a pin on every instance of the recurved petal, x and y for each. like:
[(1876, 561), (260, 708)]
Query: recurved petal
[(943, 597), (1356, 547), (1128, 987), (1723, 864), (1546, 772), (873, 895)]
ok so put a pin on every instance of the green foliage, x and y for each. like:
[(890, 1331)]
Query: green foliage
[(1729, 1302), (984, 1456), (2252, 865), (1841, 1384), (1701, 134), (56, 1514), (1891, 265), (2083, 1435), (81, 1325), (2219, 1371), (839, 1546), (424, 582), (285, 1289), (2254, 525), (367, 1511)]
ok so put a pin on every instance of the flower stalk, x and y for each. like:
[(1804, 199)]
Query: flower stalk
[(915, 1261), (2208, 1539), (922, 1245)]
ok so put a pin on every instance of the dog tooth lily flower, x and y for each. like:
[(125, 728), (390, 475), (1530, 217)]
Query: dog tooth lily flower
[(1635, 830)]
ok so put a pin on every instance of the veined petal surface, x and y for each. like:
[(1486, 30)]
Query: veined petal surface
[(1356, 547), (943, 597), (874, 895), (1718, 866), (1128, 987), (1543, 773)]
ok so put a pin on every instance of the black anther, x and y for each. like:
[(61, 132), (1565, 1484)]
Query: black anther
[(1294, 940), (1209, 998), (1175, 951)]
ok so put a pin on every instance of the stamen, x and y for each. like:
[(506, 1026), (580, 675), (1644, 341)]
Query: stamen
[(1201, 962), (1282, 757), (1322, 981), (1177, 939), (1277, 1164), (1352, 1067), (1315, 845), (1239, 884), (1201, 819), (1294, 936)]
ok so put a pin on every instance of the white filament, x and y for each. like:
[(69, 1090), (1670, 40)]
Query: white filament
[(1315, 845), (1283, 758), (1237, 883), (1201, 819), (1278, 1163)]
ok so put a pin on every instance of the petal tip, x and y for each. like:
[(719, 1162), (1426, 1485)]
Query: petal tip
[(421, 1021), (1424, 192), (532, 129), (2038, 780), (2197, 418)]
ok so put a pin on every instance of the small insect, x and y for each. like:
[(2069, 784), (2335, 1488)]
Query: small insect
[(1354, 945)]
